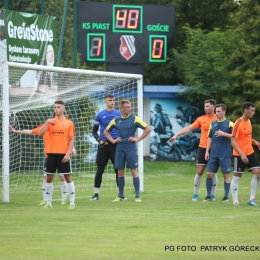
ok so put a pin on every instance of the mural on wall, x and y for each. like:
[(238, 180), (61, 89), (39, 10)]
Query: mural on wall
[(167, 117)]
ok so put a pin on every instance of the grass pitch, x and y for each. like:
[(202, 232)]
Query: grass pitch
[(165, 225)]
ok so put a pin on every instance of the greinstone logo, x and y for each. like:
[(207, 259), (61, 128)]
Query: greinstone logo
[(32, 33), (58, 132)]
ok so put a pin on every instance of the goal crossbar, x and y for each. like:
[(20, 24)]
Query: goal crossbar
[(68, 85)]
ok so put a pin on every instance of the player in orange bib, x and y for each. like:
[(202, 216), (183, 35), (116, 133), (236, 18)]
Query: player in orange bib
[(61, 132), (243, 152), (35, 131), (204, 123)]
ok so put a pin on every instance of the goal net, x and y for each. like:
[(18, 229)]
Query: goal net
[(28, 93)]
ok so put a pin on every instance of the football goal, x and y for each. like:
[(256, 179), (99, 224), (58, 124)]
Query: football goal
[(28, 93)]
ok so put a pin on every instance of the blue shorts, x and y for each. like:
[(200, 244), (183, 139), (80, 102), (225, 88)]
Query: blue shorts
[(224, 163), (126, 157)]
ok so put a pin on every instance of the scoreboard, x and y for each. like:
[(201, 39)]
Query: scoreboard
[(117, 33)]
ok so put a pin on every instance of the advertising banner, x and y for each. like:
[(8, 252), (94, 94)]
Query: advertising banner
[(30, 38)]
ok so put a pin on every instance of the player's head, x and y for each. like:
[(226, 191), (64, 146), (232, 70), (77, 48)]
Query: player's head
[(125, 106), (59, 107), (220, 110), (248, 109), (209, 106), (110, 101), (221, 106)]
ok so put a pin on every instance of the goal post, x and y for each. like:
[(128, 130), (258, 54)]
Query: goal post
[(28, 93)]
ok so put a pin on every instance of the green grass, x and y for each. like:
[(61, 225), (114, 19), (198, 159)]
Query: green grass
[(129, 230)]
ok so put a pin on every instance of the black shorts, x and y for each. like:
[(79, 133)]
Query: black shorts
[(54, 163), (201, 157), (106, 153), (239, 166)]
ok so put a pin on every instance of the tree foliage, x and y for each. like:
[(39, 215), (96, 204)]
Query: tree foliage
[(244, 61), (202, 64), (205, 15)]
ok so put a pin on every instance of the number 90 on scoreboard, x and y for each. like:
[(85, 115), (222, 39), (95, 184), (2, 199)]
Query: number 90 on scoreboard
[(125, 33)]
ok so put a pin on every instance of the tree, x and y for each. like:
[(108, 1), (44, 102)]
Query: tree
[(202, 64), (244, 61), (195, 14)]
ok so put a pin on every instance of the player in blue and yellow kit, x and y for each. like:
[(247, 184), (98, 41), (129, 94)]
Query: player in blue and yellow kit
[(219, 145), (126, 153)]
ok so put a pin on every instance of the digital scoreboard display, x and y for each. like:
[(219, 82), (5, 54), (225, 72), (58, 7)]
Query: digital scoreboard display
[(125, 33)]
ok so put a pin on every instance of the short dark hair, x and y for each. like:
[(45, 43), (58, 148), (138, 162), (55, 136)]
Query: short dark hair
[(247, 105), (211, 101), (60, 102), (109, 96), (223, 106)]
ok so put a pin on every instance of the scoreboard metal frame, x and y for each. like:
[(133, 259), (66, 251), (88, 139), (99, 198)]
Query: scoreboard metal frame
[(134, 34)]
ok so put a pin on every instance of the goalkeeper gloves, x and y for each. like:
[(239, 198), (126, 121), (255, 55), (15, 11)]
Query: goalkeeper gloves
[(101, 143)]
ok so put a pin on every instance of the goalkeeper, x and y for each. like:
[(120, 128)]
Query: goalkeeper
[(106, 150)]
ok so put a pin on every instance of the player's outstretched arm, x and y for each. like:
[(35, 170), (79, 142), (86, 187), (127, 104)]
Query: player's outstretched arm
[(184, 131), (22, 132)]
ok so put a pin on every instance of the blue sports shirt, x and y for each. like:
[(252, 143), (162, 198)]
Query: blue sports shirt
[(221, 145), (103, 118), (126, 127)]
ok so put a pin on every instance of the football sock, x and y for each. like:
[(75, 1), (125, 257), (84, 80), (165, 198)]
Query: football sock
[(136, 182), (234, 188), (209, 183), (49, 191), (71, 191), (215, 183), (116, 171), (254, 186), (96, 190), (197, 181), (121, 186), (226, 189), (99, 175), (64, 189), (44, 189)]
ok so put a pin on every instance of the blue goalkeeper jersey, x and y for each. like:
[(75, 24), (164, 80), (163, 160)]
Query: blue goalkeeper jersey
[(125, 128), (221, 145), (103, 118)]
